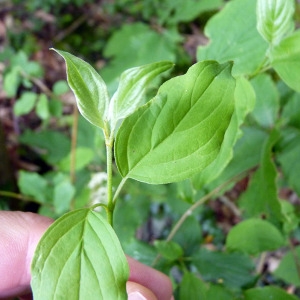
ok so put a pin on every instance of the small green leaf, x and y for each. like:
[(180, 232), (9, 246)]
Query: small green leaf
[(254, 236), (60, 87), (191, 287), (42, 107), (130, 93), (195, 110), (63, 194), (11, 81), (274, 19), (285, 59), (261, 197), (34, 185), (25, 103), (287, 269), (169, 250), (233, 38), (79, 250), (89, 89), (268, 292), (267, 102)]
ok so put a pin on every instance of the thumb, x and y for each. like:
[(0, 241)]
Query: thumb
[(137, 291)]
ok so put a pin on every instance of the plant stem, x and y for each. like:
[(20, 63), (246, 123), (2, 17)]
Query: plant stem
[(121, 184), (109, 161), (74, 135), (17, 196)]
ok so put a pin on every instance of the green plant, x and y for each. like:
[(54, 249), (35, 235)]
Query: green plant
[(205, 130)]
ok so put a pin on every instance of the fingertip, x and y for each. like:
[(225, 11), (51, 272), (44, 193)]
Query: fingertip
[(137, 291)]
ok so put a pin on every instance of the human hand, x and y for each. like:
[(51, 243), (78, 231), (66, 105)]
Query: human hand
[(20, 233)]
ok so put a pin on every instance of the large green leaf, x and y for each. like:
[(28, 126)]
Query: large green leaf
[(233, 36), (89, 89), (244, 103), (267, 101), (274, 19), (268, 292), (79, 257), (261, 196), (130, 93), (181, 130), (285, 59), (254, 236)]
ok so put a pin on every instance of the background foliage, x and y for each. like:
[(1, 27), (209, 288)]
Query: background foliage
[(231, 232)]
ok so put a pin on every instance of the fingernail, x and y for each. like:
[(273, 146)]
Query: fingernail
[(136, 296)]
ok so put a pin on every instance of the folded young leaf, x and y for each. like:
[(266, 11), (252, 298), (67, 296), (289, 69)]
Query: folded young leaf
[(179, 132), (89, 89), (130, 93), (275, 19), (79, 257)]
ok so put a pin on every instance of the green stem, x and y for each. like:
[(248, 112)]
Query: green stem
[(120, 186), (17, 196), (109, 161)]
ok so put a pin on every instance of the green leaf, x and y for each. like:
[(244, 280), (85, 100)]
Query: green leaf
[(132, 87), (244, 103), (79, 250), (288, 269), (168, 249), (34, 185), (289, 159), (89, 89), (232, 269), (191, 287), (42, 107), (254, 236), (60, 87), (285, 59), (218, 292), (53, 145), (194, 109), (233, 38), (268, 292), (12, 81), (143, 46), (260, 198), (83, 156), (275, 19), (63, 194), (246, 155), (267, 102), (25, 103)]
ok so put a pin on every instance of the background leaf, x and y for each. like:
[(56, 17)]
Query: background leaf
[(232, 269), (89, 89), (193, 109), (268, 292), (69, 253), (275, 19), (238, 41), (285, 59), (288, 269), (266, 107), (191, 287), (254, 236), (260, 198)]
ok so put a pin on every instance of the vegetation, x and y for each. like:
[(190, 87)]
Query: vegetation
[(185, 154)]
